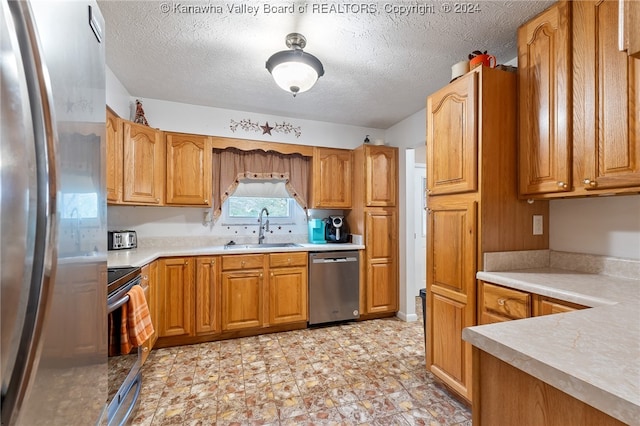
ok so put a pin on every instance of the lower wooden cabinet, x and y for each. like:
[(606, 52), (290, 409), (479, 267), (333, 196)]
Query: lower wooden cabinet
[(176, 297), (497, 303), (544, 305), (149, 284), (207, 295), (381, 288), (288, 288)]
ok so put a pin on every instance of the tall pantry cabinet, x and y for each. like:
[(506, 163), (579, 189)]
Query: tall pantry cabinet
[(374, 215), (473, 208)]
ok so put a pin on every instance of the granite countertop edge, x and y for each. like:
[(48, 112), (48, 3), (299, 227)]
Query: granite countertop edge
[(142, 256), (591, 354)]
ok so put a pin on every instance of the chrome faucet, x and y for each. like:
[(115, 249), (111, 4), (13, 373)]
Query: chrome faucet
[(263, 227)]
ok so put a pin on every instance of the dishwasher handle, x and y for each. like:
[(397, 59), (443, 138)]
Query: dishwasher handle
[(335, 260)]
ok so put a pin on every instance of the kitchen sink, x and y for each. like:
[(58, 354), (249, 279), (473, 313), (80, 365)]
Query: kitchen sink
[(254, 246)]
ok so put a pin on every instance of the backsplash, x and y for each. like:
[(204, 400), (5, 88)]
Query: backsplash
[(580, 262), (180, 226)]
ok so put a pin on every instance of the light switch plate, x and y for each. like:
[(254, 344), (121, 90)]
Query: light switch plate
[(538, 227)]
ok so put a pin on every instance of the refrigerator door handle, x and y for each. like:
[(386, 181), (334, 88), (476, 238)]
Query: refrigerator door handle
[(44, 256)]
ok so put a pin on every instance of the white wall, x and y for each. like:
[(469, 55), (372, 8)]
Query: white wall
[(408, 134), (118, 98), (607, 226)]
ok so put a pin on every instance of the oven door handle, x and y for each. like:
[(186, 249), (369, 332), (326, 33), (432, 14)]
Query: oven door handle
[(112, 307)]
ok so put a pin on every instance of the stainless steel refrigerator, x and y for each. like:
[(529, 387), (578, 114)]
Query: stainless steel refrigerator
[(52, 213)]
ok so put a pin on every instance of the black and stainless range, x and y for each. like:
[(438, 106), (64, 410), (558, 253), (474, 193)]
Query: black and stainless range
[(125, 378)]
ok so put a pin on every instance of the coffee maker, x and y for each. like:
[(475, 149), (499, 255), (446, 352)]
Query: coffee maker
[(336, 229)]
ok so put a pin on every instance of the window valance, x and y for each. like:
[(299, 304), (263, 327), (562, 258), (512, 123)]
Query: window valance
[(231, 165)]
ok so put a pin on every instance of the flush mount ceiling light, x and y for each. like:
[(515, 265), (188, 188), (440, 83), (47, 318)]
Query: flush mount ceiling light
[(294, 70)]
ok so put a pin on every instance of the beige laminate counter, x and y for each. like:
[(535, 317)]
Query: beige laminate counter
[(592, 354), (142, 256)]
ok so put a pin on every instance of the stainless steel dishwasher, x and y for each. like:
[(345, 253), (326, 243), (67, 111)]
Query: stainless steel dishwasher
[(334, 286)]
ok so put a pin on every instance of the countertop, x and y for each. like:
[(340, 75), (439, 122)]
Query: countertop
[(591, 354), (142, 256)]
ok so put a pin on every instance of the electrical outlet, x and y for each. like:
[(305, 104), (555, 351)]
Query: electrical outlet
[(538, 228)]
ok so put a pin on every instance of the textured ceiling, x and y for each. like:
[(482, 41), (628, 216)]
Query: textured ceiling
[(379, 67)]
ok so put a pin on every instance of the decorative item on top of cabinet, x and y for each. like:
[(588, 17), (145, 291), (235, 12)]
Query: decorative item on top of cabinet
[(143, 170), (331, 178), (452, 155), (288, 288), (188, 177), (114, 157), (175, 297), (544, 74)]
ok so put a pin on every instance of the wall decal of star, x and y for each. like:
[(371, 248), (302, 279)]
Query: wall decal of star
[(252, 126), (266, 129)]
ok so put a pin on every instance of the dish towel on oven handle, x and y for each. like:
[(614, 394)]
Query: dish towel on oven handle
[(136, 326)]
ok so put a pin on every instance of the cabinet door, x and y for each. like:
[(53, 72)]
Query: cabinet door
[(381, 288), (544, 305), (114, 157), (176, 298), (544, 85), (452, 137), (189, 176), (451, 283), (332, 176), (381, 175), (242, 300), (287, 295), (607, 100), (207, 296), (628, 27), (149, 273), (143, 171)]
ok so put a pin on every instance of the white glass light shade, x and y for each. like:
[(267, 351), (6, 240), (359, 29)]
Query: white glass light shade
[(294, 77), (295, 70)]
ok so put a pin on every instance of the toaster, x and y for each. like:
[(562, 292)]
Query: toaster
[(119, 240)]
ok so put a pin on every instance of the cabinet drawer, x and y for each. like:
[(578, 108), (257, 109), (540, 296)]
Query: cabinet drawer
[(505, 302), (250, 261), (277, 260)]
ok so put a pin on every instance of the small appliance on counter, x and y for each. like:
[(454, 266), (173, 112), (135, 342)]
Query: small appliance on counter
[(316, 231), (121, 240), (336, 230)]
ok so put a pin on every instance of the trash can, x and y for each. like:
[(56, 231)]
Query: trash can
[(423, 296)]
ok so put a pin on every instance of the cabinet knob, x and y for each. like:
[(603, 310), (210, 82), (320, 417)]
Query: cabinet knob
[(206, 201), (213, 262), (157, 200), (242, 263), (145, 349), (562, 185), (272, 275), (589, 182), (288, 260), (186, 263)]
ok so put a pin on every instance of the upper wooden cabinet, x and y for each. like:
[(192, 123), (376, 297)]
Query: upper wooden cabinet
[(544, 67), (143, 167), (452, 132), (591, 145), (606, 119), (188, 176), (114, 157), (331, 179), (381, 175)]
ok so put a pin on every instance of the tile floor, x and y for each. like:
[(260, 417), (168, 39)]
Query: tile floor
[(363, 373)]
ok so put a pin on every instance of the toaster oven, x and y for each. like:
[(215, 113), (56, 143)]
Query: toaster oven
[(119, 240)]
